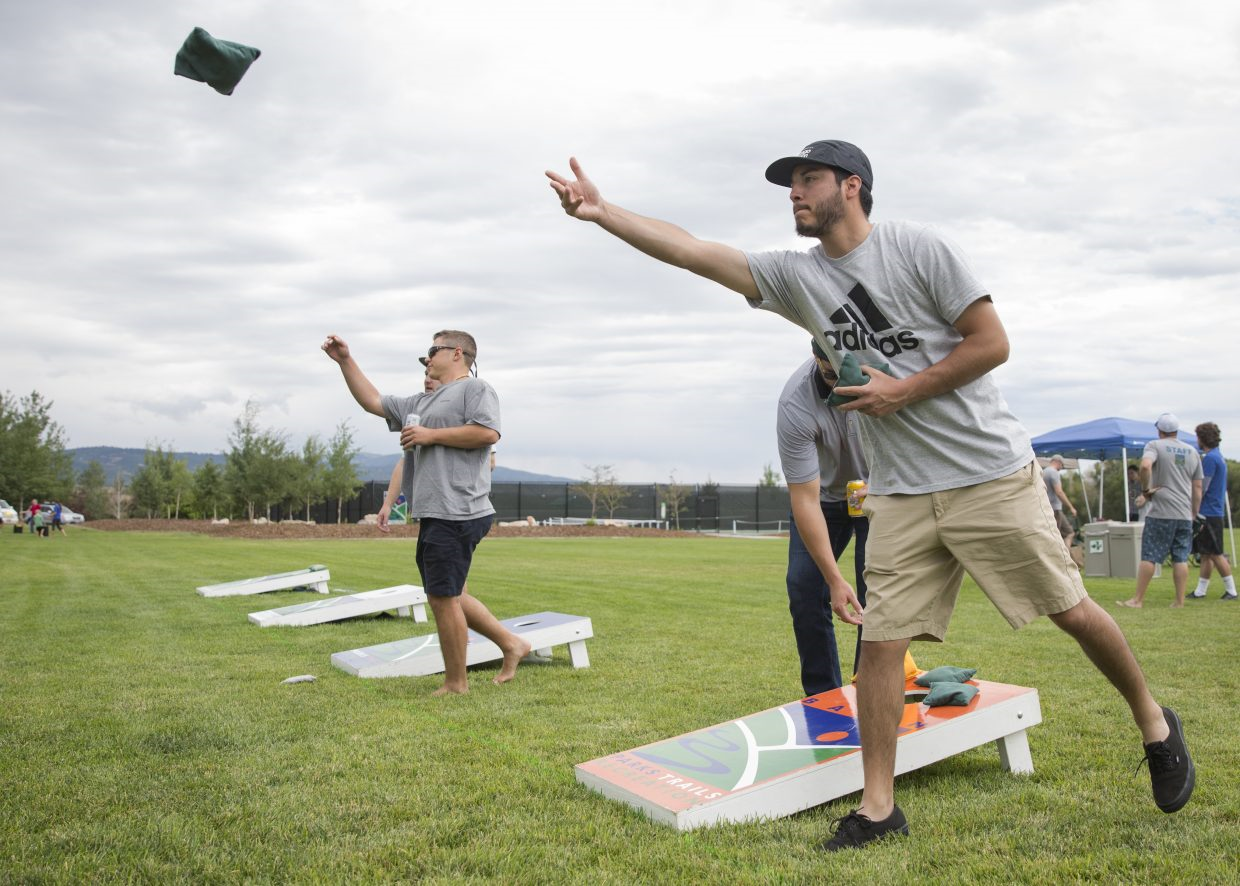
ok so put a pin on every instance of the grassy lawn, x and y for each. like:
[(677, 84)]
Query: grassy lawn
[(145, 734)]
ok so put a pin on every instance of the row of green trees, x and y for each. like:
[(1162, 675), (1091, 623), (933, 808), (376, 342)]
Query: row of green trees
[(260, 472), (33, 461)]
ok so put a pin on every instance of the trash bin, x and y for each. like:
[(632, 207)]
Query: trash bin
[(1097, 550), (1125, 545)]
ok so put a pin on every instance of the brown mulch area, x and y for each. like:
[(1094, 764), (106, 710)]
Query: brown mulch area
[(242, 529)]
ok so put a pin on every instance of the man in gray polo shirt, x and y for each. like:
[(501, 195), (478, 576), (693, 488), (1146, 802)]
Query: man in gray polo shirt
[(1171, 481), (820, 453), (449, 491)]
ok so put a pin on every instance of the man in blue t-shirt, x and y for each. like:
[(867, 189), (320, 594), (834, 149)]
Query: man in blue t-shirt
[(1213, 504)]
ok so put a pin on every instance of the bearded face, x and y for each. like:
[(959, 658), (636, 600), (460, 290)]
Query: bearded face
[(817, 219)]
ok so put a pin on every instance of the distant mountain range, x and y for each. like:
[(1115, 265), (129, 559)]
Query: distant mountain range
[(369, 465)]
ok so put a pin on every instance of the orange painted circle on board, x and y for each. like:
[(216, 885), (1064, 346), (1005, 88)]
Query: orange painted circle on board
[(832, 736)]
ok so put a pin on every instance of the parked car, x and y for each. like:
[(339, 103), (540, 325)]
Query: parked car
[(8, 514)]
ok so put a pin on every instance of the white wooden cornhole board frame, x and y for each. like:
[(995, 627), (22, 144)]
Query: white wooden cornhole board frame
[(421, 656), (313, 577), (805, 753), (407, 600)]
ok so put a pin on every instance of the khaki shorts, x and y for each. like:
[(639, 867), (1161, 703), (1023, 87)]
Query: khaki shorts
[(1001, 532)]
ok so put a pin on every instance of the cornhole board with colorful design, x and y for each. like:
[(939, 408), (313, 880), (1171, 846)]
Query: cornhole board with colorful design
[(420, 656), (787, 759), (405, 599), (312, 577)]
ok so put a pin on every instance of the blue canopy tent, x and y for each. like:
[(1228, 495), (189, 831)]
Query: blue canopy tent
[(1101, 439)]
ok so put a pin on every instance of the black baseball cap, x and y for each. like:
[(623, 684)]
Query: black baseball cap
[(841, 155)]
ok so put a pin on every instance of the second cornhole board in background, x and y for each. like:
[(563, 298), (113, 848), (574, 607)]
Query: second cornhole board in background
[(405, 599), (312, 578)]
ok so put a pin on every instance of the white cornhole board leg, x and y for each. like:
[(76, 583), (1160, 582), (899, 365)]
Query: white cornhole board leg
[(314, 577), (1014, 752), (787, 759), (420, 656), (405, 599), (577, 653)]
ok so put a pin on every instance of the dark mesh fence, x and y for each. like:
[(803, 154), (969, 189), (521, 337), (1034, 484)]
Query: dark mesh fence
[(367, 501), (708, 507), (544, 501)]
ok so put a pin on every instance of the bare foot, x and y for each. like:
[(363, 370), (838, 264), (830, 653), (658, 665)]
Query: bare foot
[(1131, 604), (445, 689), (1177, 605), (512, 658)]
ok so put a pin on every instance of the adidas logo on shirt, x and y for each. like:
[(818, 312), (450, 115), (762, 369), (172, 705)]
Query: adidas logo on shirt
[(858, 327)]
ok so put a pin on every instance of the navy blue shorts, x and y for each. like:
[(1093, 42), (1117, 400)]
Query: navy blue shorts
[(445, 550)]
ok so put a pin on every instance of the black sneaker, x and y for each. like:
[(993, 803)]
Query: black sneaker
[(1171, 768), (855, 830), (1229, 596)]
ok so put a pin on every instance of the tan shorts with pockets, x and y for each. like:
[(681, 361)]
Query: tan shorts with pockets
[(1002, 532)]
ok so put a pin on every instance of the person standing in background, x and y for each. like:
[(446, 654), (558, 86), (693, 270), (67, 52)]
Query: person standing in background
[(1213, 511)]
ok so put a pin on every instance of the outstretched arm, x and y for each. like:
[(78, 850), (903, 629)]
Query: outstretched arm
[(983, 346), (365, 393), (658, 239), (812, 527)]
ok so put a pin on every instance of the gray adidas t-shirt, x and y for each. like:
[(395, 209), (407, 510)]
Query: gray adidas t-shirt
[(894, 299), (816, 440), (442, 481), (1176, 466)]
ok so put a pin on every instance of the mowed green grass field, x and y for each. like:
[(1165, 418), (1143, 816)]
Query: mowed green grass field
[(145, 734)]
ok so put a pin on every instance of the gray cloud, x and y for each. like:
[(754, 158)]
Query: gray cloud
[(378, 174)]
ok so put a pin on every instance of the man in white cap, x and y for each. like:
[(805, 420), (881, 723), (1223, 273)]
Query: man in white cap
[(1171, 483)]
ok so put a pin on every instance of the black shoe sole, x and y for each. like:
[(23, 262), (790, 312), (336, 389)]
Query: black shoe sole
[(827, 846), (832, 846)]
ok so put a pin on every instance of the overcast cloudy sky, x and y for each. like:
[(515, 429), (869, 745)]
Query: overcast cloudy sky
[(169, 253)]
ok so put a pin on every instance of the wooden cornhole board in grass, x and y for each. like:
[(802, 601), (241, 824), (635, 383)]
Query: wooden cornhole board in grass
[(419, 656), (787, 759), (312, 577), (405, 599)]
